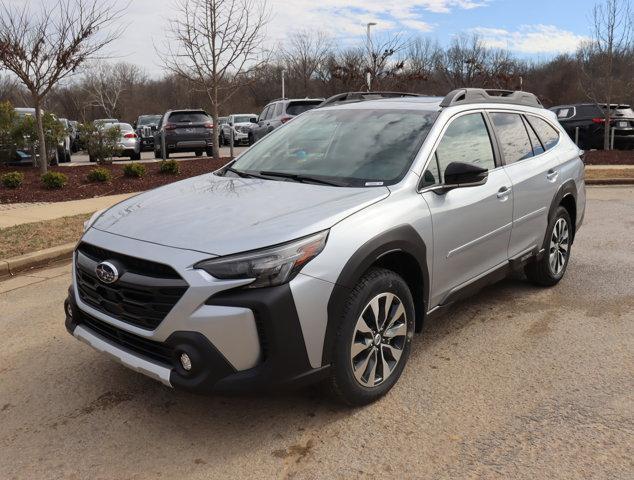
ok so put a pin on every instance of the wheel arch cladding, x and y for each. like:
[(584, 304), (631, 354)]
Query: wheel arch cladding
[(400, 249), (566, 196)]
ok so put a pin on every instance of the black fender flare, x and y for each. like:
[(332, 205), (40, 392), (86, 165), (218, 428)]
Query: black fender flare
[(398, 239), (568, 188)]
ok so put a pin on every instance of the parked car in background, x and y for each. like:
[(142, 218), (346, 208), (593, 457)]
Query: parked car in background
[(586, 121), (241, 124), (317, 253), (188, 130), (146, 126), (74, 135), (64, 146), (128, 144), (278, 112), (23, 155), (102, 121)]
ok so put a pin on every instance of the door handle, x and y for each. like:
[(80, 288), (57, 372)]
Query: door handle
[(552, 175), (503, 193)]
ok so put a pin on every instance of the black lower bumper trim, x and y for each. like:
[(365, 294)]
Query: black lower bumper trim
[(285, 363)]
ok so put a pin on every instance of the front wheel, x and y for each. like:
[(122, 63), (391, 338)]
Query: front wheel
[(550, 269), (374, 338)]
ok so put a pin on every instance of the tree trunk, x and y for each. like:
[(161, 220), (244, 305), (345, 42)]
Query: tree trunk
[(606, 132), (43, 160), (214, 113)]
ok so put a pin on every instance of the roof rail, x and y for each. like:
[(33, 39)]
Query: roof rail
[(465, 96), (350, 97)]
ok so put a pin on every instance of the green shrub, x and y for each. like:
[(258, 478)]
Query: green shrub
[(170, 166), (99, 175), (54, 180), (134, 170), (12, 179)]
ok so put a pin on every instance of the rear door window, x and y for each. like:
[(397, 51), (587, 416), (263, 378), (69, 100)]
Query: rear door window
[(513, 137), (295, 108), (548, 135), (278, 109), (564, 113)]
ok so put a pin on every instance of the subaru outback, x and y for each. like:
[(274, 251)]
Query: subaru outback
[(318, 253)]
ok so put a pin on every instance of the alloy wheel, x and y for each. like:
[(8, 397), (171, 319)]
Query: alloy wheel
[(378, 339), (559, 246)]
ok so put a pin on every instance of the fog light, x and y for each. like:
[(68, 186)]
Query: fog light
[(186, 362)]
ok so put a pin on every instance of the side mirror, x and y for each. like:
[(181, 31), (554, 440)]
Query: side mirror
[(459, 174)]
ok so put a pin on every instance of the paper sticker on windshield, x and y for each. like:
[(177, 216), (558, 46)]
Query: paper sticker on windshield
[(373, 184)]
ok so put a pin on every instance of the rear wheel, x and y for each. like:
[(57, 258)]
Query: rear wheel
[(210, 152), (198, 153), (135, 156), (550, 269), (157, 154), (374, 338)]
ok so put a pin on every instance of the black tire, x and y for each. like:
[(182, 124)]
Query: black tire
[(135, 156), (541, 272), (198, 153), (210, 152), (250, 140), (92, 159), (157, 154), (342, 382), (221, 140)]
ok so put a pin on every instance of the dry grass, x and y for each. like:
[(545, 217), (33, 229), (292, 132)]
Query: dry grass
[(603, 173), (31, 237)]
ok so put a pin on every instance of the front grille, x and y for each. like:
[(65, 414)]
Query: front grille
[(147, 348), (144, 294)]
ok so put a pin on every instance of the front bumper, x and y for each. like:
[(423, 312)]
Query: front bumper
[(237, 339)]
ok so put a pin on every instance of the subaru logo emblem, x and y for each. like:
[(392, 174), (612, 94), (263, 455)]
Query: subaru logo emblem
[(107, 272)]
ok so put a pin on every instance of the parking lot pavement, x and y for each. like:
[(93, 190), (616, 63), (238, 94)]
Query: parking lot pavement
[(516, 382), (81, 158)]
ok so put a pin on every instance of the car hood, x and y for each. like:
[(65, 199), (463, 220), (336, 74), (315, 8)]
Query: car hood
[(223, 215)]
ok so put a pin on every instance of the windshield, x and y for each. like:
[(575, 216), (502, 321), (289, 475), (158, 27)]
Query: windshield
[(243, 119), (149, 120), (354, 147)]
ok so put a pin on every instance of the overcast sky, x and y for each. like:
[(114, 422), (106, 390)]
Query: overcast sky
[(529, 28)]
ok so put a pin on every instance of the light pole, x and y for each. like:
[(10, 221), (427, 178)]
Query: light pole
[(369, 47), (283, 92)]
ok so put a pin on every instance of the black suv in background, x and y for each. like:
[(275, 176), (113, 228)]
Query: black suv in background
[(590, 119), (278, 112), (184, 131), (146, 126)]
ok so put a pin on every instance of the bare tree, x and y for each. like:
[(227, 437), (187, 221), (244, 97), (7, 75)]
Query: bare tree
[(599, 57), (383, 58), (217, 45), (106, 85), (305, 55), (463, 64), (47, 46)]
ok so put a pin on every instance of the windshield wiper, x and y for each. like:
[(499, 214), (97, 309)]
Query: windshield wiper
[(244, 174), (302, 178)]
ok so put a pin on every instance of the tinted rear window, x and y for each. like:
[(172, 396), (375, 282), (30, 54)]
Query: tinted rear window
[(546, 133), (295, 108), (589, 111), (625, 112), (189, 117)]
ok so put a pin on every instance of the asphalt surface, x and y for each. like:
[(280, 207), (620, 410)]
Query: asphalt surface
[(516, 382)]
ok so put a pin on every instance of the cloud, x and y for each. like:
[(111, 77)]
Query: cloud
[(531, 39)]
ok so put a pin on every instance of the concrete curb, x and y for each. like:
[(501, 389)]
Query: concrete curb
[(14, 265)]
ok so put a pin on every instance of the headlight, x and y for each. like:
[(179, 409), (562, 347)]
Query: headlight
[(88, 223), (269, 266)]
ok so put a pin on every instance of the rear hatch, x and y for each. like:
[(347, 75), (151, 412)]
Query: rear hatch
[(189, 126), (622, 119)]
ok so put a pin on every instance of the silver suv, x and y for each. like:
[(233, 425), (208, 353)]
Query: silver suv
[(317, 253)]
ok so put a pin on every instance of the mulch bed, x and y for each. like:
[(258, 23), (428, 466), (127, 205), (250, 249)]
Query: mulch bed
[(32, 190), (609, 157)]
